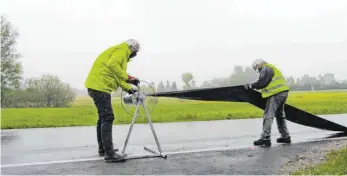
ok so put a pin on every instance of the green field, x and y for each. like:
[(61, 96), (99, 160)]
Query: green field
[(83, 112), (336, 164)]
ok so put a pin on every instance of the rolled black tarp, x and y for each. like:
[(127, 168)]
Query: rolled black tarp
[(240, 94)]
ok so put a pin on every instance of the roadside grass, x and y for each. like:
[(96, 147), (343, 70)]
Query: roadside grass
[(336, 164), (83, 111)]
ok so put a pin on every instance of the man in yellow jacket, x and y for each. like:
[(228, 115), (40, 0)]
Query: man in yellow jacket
[(107, 74), (274, 88)]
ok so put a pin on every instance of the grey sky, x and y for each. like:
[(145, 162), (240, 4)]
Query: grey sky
[(204, 37)]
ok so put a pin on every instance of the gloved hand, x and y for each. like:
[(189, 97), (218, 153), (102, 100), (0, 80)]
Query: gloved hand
[(248, 86), (136, 81), (132, 91), (133, 81)]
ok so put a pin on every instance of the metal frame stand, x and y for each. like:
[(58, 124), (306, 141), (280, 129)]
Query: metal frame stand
[(140, 101)]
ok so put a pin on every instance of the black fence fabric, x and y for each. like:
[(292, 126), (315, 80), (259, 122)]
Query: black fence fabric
[(240, 94)]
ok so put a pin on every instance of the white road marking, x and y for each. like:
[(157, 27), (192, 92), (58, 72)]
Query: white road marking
[(101, 158), (165, 153), (130, 157), (50, 162), (70, 161)]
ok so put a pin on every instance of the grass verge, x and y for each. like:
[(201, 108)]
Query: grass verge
[(335, 164), (83, 111)]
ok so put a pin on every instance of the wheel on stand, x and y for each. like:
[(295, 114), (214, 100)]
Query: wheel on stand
[(129, 101), (132, 105)]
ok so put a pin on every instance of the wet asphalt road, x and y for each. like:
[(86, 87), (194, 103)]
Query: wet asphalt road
[(62, 150)]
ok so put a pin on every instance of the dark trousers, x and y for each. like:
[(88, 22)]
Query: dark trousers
[(103, 104)]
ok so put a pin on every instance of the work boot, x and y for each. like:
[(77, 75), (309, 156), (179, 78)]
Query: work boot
[(102, 152), (266, 142), (115, 158), (106, 134), (284, 140)]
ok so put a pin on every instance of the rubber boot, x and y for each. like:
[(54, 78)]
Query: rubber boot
[(266, 142), (284, 140), (109, 155), (101, 150)]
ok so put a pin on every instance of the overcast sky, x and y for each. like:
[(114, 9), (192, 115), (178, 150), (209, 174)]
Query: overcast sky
[(205, 37)]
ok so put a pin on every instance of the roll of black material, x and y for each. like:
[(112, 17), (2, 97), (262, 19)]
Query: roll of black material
[(240, 94)]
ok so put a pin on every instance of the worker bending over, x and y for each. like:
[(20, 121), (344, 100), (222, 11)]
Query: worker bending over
[(272, 86), (106, 75)]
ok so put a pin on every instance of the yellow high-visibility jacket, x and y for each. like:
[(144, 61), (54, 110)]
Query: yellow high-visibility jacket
[(109, 70)]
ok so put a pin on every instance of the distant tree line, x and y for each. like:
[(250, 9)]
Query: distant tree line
[(44, 91), (326, 81), (242, 75), (169, 86)]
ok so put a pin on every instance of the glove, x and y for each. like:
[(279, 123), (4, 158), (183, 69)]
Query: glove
[(132, 91), (248, 86), (136, 81), (133, 81)]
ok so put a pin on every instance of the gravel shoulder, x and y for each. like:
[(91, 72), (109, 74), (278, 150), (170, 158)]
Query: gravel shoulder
[(314, 156)]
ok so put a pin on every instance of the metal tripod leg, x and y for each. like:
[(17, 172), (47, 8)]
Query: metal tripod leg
[(131, 126), (154, 134)]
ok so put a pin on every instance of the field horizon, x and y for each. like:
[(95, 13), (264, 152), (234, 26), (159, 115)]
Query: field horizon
[(83, 112)]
